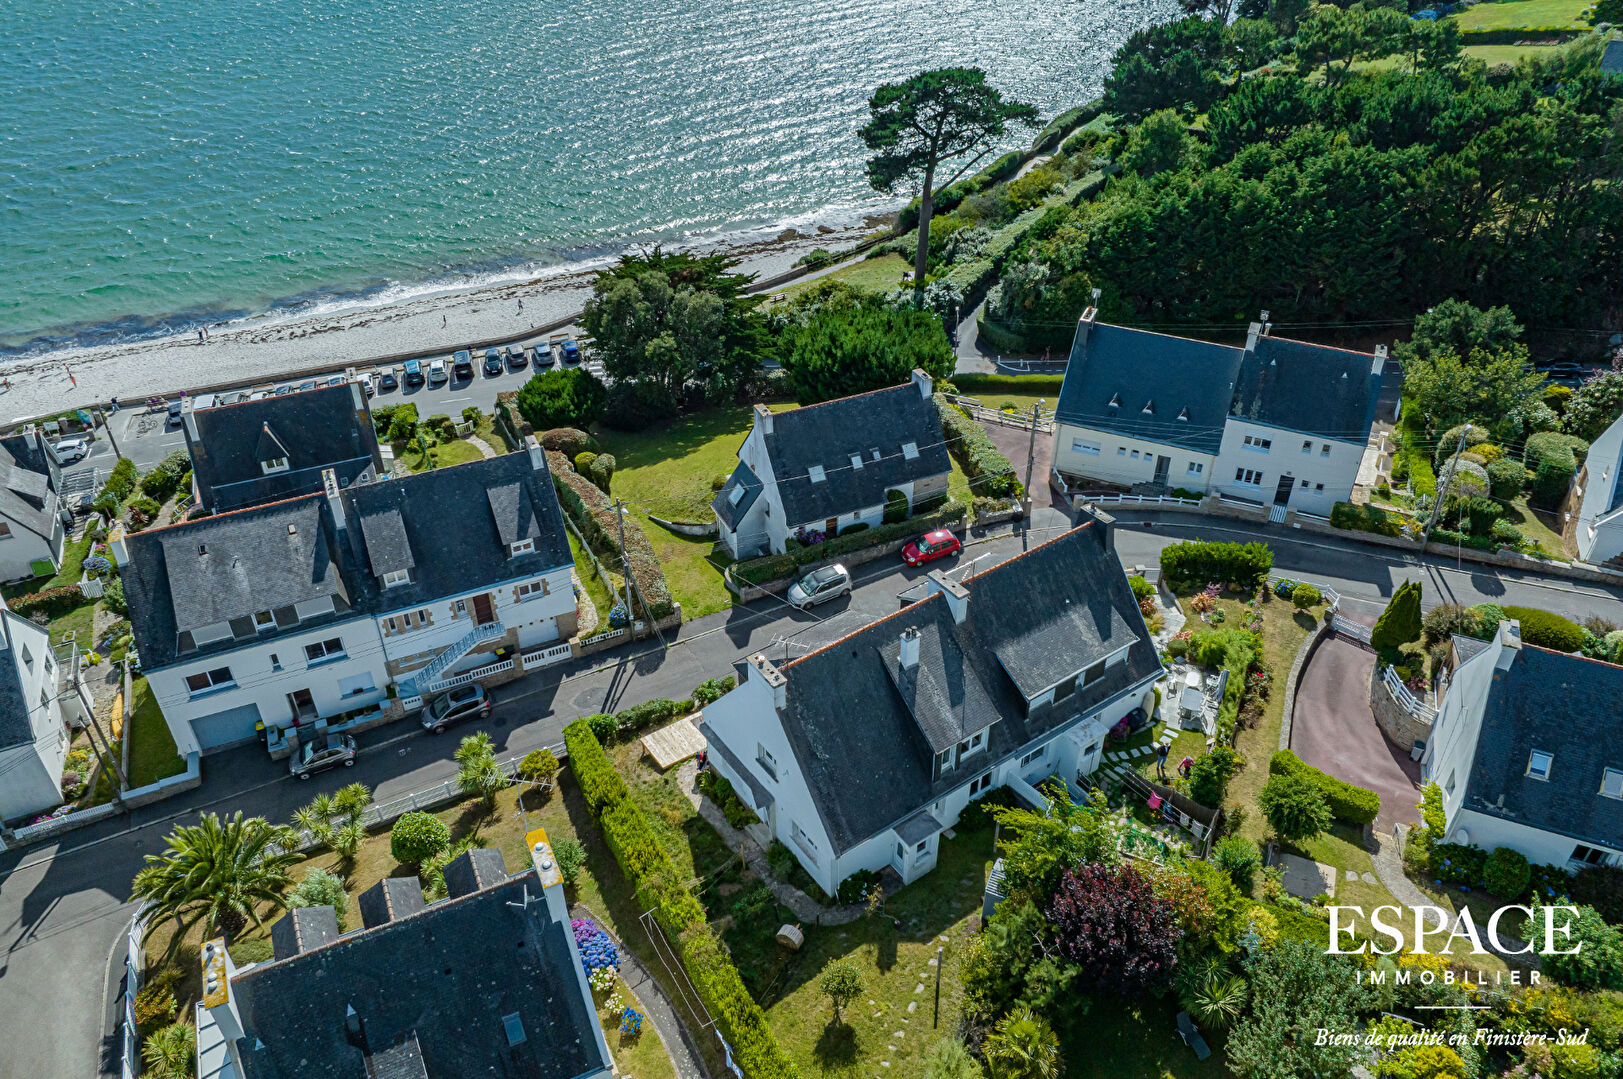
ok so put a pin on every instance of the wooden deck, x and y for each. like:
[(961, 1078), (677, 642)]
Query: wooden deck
[(673, 744)]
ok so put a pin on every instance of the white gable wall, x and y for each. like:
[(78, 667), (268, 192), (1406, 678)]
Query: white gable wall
[(31, 774), (1296, 454), (1116, 461), (1451, 750), (1600, 533)]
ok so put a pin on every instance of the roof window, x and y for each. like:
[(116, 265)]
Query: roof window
[(514, 1026), (910, 450), (856, 460), (816, 474), (1149, 407), (1538, 764), (1115, 401), (737, 496), (1611, 783), (1184, 415)]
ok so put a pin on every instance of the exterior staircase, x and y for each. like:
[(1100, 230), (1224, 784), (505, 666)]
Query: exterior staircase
[(426, 679)]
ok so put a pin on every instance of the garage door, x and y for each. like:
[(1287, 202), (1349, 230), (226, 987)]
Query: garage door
[(226, 728)]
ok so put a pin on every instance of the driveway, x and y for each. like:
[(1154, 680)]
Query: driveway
[(1333, 729)]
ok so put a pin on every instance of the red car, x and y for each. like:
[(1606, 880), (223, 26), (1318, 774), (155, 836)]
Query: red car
[(931, 546)]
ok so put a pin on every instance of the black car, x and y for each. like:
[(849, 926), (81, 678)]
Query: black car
[(456, 705), (493, 362), (333, 751), (386, 379), (462, 365)]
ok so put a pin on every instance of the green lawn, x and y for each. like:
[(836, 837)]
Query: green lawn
[(1140, 1039), (73, 556), (882, 274), (153, 755), (1515, 14), (1495, 55), (596, 593), (80, 622), (458, 451), (1539, 527), (1022, 391)]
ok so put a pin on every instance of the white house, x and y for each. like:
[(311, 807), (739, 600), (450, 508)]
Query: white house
[(34, 732), (1599, 533), (32, 532), (825, 467), (859, 755), (1527, 748), (1280, 422), (323, 606)]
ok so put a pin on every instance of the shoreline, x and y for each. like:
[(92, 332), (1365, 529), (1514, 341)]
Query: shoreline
[(272, 345)]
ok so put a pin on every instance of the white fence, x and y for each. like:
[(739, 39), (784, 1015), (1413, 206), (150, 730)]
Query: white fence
[(1348, 628), (982, 412), (134, 975), (546, 657), (1142, 500), (1406, 699), (1331, 596), (529, 661)]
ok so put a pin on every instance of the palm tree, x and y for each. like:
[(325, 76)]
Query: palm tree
[(216, 871), (170, 1052), (1023, 1047), (480, 774)]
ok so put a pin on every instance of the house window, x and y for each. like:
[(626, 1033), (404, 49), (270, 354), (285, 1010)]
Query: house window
[(943, 761), (264, 620), (5, 530), (1449, 786), (1257, 443), (901, 852), (204, 681), (1121, 451), (523, 546), (804, 840), (1249, 476), (1135, 455), (276, 663), (1307, 447), (1538, 764), (1611, 783), (396, 577), (1196, 468), (923, 845), (1065, 689), (910, 450), (530, 590), (28, 658), (1588, 855), (1324, 451), (736, 497), (1318, 490), (1093, 673), (816, 473), (768, 763), (981, 784), (1304, 485), (1079, 446), (275, 464), (1033, 755), (324, 650)]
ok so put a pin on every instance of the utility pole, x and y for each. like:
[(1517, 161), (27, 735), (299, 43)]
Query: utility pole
[(625, 560), (1031, 450), (107, 425), (1442, 488)]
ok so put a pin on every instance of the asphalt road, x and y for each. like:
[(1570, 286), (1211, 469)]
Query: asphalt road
[(61, 905)]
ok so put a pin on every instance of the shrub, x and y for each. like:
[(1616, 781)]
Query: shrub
[(1358, 518), (164, 480), (602, 471), (1507, 873), (113, 597), (571, 856), (599, 783), (583, 462), (1506, 534), (539, 766), (442, 425), (1553, 459), (568, 441), (155, 1004), (989, 472), (561, 397), (841, 983), (1451, 439), (170, 1052), (602, 726), (713, 689), (635, 405), (1399, 623), (1141, 586), (120, 482), (1347, 802), (52, 602), (1304, 596), (1600, 887), (1203, 561), (320, 888), (1506, 478), (1294, 805), (895, 507), (1546, 629), (594, 515), (1239, 858), (417, 836), (1210, 775), (1598, 963), (853, 529)]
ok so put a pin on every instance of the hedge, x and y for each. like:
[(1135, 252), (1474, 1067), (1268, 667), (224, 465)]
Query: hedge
[(1353, 804), (1552, 459), (1546, 629), (1357, 518), (594, 514), (947, 199), (774, 567), (648, 866), (988, 471), (975, 383), (1519, 34), (1206, 562), (52, 602)]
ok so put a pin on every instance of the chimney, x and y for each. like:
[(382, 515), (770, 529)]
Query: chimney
[(763, 669), (1509, 640), (1102, 523), (1253, 333), (549, 876), (925, 383), (390, 899), (538, 456), (218, 970), (763, 419), (302, 929), (909, 656), (473, 870), (189, 419), (1380, 361), (957, 595), (1084, 325), (335, 498)]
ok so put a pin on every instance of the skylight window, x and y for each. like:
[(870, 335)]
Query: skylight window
[(396, 577), (1611, 783), (910, 450), (514, 1026), (856, 460), (737, 496), (1538, 764), (1115, 401), (816, 474)]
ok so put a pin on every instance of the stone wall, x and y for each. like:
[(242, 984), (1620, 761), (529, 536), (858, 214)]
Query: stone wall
[(1400, 727)]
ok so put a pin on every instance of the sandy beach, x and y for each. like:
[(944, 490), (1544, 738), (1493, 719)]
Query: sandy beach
[(267, 347)]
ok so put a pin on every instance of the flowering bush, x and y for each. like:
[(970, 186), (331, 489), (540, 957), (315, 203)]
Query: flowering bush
[(631, 1022), (598, 953), (602, 979), (1201, 602)]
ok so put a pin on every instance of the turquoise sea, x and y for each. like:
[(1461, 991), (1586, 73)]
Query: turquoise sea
[(168, 161)]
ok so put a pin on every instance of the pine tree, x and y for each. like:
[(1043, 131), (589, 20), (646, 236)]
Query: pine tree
[(1400, 622)]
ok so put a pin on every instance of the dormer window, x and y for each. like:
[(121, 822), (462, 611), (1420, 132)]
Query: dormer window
[(396, 577), (264, 620), (1611, 783), (1538, 765), (910, 450), (518, 547), (1115, 401), (816, 474), (275, 464), (1149, 407), (856, 460)]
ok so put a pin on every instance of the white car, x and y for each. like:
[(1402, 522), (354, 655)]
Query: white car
[(71, 449), (436, 373)]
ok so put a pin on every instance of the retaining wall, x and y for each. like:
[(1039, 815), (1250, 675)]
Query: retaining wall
[(1400, 727)]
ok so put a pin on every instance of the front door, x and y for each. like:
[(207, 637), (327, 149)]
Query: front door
[(1282, 493), (1163, 465), (831, 527), (303, 705), (482, 611)]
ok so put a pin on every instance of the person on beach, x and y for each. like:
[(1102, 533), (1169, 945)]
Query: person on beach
[(200, 337), (442, 321), (71, 378), (521, 307)]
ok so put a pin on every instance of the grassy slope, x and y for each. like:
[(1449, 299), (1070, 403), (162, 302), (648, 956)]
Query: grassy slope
[(1513, 14), (882, 274), (153, 755), (596, 591)]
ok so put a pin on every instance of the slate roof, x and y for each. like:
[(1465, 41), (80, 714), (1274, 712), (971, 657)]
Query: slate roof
[(1567, 706), (874, 426), (28, 484), (1316, 389), (1177, 376), (732, 513), (866, 759), (267, 558), (313, 429), (432, 990), (1466, 647), (444, 524)]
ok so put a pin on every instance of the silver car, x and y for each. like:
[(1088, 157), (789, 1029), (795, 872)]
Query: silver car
[(820, 586), (334, 751)]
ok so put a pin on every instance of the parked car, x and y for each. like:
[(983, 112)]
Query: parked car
[(368, 384), (493, 362), (70, 450), (319, 755), (820, 586), (570, 351), (436, 372), (456, 705), (284, 389), (307, 384), (414, 373), (334, 380), (462, 364), (174, 411), (515, 355), (931, 546), (389, 379), (544, 356)]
